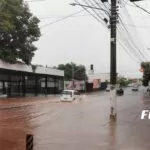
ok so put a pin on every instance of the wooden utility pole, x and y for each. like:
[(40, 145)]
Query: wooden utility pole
[(113, 61)]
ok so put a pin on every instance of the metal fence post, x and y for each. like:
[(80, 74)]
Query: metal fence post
[(29, 142)]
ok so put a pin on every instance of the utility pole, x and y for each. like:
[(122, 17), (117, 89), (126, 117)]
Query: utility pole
[(72, 75), (113, 61)]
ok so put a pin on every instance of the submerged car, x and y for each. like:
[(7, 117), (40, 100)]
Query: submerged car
[(135, 88), (108, 88), (70, 95), (120, 91)]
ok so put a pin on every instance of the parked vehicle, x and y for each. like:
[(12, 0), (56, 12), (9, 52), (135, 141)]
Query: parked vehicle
[(120, 91), (70, 95), (135, 88), (108, 88)]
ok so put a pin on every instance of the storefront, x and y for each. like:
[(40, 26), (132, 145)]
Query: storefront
[(23, 80)]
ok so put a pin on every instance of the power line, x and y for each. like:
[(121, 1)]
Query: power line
[(128, 44), (100, 20), (58, 17), (129, 40), (142, 8), (134, 26), (132, 42), (126, 50), (132, 46), (126, 2), (136, 5), (61, 19), (87, 3), (124, 47), (107, 10), (135, 34)]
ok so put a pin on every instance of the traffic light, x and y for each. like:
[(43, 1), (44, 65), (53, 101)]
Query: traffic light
[(92, 67), (106, 20)]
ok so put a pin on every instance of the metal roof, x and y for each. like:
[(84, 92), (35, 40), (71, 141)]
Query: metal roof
[(28, 68)]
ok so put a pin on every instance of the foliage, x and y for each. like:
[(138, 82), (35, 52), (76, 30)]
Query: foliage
[(73, 71), (34, 67), (123, 82), (18, 30), (146, 73)]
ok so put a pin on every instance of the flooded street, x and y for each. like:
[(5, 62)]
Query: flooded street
[(81, 125)]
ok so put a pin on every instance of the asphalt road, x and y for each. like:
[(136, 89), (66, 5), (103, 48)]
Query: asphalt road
[(80, 125)]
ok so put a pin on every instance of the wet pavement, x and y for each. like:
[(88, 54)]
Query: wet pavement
[(80, 125)]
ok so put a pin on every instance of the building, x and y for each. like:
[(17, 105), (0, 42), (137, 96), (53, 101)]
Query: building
[(74, 85), (103, 77), (22, 80), (98, 79)]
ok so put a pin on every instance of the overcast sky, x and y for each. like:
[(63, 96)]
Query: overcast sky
[(83, 40)]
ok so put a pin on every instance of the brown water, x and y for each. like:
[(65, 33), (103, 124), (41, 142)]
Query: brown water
[(79, 125)]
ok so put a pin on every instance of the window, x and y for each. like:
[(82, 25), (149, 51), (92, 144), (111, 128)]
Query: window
[(76, 93), (67, 93)]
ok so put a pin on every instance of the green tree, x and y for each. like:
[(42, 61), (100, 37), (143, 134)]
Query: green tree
[(18, 30), (123, 82), (73, 71), (146, 73)]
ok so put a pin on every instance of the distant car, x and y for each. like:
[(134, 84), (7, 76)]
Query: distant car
[(148, 89), (108, 88), (70, 95), (135, 88), (120, 91)]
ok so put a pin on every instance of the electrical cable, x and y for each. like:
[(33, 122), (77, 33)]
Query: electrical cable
[(107, 12), (142, 8), (132, 42), (131, 38), (138, 6), (97, 18), (128, 44), (87, 3), (61, 19)]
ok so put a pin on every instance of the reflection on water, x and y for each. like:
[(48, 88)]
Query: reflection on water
[(112, 132), (76, 126)]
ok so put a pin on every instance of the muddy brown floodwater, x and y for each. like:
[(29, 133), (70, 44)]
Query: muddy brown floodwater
[(81, 125)]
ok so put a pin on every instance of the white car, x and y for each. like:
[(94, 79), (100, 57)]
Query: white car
[(70, 95), (108, 88), (135, 88)]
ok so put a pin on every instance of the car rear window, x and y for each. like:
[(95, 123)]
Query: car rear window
[(76, 93), (67, 93)]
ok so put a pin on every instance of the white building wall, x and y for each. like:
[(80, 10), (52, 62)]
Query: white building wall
[(102, 76)]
